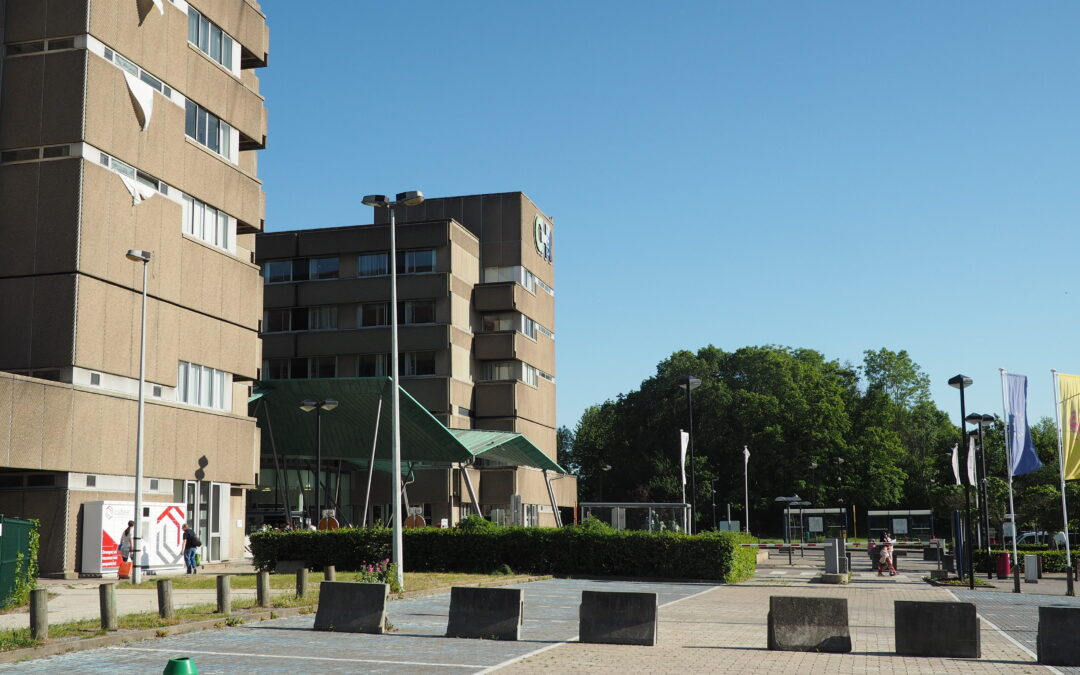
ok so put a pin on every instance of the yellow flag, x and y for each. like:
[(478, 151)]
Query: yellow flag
[(1069, 392)]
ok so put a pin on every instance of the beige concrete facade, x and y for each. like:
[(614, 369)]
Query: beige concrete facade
[(89, 170), (487, 340)]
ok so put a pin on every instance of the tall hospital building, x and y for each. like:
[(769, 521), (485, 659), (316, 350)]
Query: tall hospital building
[(129, 124), (476, 309)]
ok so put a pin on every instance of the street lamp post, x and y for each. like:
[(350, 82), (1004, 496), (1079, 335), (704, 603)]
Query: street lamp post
[(319, 406), (984, 492), (411, 198), (961, 382), (136, 255), (690, 383)]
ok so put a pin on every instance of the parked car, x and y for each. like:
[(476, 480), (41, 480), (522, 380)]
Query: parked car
[(1040, 537)]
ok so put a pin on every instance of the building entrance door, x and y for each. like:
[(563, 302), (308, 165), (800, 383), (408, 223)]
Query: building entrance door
[(208, 511)]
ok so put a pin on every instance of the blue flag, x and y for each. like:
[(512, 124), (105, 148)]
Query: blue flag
[(1022, 457)]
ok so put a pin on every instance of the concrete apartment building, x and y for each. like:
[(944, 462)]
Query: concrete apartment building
[(476, 314), (129, 124)]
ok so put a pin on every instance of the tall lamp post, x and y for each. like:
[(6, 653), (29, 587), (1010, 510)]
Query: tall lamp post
[(136, 255), (690, 383), (411, 198), (961, 382), (307, 405)]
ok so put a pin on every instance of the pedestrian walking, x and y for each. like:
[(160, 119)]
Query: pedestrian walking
[(191, 547), (125, 542)]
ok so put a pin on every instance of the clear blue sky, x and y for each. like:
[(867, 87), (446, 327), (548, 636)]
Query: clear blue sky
[(840, 176)]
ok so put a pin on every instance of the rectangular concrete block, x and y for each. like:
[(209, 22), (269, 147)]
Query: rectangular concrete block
[(798, 624), (618, 618), (485, 613), (347, 607), (949, 629), (1058, 631)]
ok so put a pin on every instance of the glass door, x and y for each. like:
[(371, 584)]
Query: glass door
[(207, 511)]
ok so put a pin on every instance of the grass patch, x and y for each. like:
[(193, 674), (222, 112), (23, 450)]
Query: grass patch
[(957, 582)]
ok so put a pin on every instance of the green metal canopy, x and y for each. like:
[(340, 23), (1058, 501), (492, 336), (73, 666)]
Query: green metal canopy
[(363, 417)]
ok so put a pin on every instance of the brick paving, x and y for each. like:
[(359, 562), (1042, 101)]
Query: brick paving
[(703, 628)]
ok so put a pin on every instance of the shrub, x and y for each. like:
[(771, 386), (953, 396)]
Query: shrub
[(475, 523), (587, 549)]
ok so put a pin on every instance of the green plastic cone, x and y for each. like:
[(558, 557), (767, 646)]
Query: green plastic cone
[(181, 665)]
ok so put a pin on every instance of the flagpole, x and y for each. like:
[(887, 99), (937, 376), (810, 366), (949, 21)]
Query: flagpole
[(1009, 466), (1061, 469), (746, 486)]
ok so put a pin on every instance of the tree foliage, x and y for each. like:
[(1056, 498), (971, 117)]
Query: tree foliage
[(830, 432)]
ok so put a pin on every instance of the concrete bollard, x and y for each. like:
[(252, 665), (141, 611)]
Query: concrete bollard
[(617, 618), (798, 624), (39, 614), (347, 607), (301, 582), (1031, 569), (164, 599), (949, 629), (224, 594), (107, 602), (262, 589), (486, 613), (1057, 643), (329, 573)]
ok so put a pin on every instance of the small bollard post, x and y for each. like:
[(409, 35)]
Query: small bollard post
[(1016, 576), (330, 573), (1069, 584), (39, 614), (262, 589), (164, 598), (224, 594), (301, 582), (107, 601)]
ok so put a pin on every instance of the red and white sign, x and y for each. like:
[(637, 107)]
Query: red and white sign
[(104, 523)]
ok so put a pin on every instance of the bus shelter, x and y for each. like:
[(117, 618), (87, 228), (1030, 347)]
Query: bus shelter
[(901, 523), (814, 525)]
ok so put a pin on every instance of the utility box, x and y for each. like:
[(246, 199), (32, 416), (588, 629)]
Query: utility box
[(103, 523)]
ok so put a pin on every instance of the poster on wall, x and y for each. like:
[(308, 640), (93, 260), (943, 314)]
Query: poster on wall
[(815, 524), (899, 526), (104, 523)]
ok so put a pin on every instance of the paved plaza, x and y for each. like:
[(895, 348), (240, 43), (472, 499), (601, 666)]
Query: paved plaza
[(703, 628)]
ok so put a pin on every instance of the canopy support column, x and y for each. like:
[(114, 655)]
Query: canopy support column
[(469, 487), (554, 504), (371, 464)]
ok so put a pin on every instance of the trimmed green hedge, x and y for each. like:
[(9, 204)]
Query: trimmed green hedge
[(580, 550), (1053, 561)]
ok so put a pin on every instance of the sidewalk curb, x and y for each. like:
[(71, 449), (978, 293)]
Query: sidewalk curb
[(69, 645)]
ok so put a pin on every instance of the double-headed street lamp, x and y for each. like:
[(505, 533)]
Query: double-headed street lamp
[(690, 383), (307, 405), (411, 198), (961, 382), (136, 255)]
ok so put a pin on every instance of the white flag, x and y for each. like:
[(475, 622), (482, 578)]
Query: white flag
[(745, 455), (971, 461), (684, 438), (955, 463)]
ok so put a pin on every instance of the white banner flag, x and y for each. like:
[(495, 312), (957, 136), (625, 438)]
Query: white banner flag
[(684, 439), (745, 455), (956, 463), (971, 461)]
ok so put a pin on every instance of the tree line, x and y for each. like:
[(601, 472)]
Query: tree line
[(836, 434)]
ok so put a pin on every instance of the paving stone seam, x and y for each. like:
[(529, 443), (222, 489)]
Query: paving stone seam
[(1010, 638)]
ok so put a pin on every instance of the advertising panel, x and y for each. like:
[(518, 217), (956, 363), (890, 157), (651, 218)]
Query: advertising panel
[(104, 523)]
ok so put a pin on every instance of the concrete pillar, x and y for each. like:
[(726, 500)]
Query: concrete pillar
[(330, 573), (262, 589), (301, 582), (224, 594), (107, 601), (164, 599), (39, 614)]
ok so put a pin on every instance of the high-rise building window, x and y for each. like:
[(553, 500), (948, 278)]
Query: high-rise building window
[(300, 269), (209, 38), (323, 318), (415, 262), (374, 314), (324, 268), (419, 311), (284, 369), (206, 223), (372, 365), (418, 363), (374, 265), (498, 370), (202, 386), (208, 129), (322, 366), (277, 321), (497, 322)]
